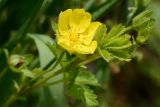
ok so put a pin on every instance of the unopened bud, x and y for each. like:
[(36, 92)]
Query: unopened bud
[(16, 60)]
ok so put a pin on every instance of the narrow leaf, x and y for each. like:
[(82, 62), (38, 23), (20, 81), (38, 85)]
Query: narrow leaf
[(103, 8), (54, 26), (45, 53)]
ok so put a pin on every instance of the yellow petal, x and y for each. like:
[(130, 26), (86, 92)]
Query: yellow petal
[(86, 49), (80, 20), (63, 21), (89, 34), (65, 43)]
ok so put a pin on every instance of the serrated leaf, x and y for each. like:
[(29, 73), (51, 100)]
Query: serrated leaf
[(115, 32), (100, 35), (142, 20), (105, 55), (122, 55), (136, 6), (116, 45), (143, 35), (79, 88), (84, 93), (120, 42), (143, 23), (89, 97), (76, 91), (86, 78)]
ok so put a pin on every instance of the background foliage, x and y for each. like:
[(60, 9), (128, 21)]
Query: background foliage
[(124, 84)]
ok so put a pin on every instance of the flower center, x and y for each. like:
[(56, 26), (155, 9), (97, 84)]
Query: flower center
[(73, 36)]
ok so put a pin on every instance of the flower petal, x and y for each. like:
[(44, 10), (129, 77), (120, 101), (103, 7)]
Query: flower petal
[(86, 49), (89, 34), (80, 20), (63, 21), (65, 43)]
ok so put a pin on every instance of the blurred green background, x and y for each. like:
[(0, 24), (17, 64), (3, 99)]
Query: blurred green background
[(128, 84)]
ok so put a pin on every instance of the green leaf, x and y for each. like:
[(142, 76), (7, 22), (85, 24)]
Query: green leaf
[(85, 77), (102, 71), (89, 4), (89, 97), (14, 69), (115, 31), (134, 8), (105, 54), (27, 20), (54, 26), (122, 55), (84, 93), (145, 2), (142, 20), (52, 95), (143, 23), (116, 44), (28, 73), (54, 50), (121, 42), (113, 41), (143, 35), (103, 8), (76, 91), (45, 53), (79, 88), (100, 35), (37, 72)]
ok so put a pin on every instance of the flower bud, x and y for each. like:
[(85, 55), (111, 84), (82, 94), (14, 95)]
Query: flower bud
[(16, 61)]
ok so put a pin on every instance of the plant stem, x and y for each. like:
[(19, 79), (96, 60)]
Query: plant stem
[(36, 85), (128, 28), (10, 100), (39, 84), (67, 68), (49, 69), (90, 59), (48, 84), (3, 72), (58, 61)]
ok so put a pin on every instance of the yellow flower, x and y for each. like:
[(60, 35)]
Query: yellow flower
[(76, 31)]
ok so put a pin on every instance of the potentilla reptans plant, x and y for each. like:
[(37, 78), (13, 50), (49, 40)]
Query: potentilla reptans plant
[(63, 58)]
